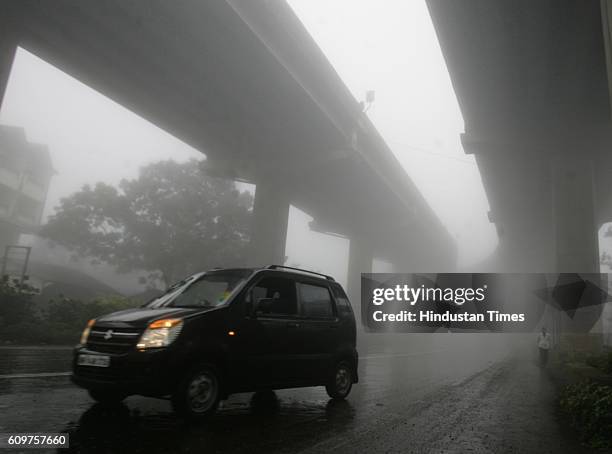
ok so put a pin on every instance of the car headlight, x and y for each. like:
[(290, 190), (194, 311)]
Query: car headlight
[(86, 331), (160, 333)]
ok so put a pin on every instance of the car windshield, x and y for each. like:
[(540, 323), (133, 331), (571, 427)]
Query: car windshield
[(203, 290)]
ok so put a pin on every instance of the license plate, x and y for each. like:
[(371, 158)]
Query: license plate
[(94, 360)]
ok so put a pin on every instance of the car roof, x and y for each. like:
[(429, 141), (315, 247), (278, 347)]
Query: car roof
[(279, 269)]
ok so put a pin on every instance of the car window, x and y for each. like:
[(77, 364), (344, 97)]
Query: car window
[(342, 302), (207, 290), (316, 301), (275, 296)]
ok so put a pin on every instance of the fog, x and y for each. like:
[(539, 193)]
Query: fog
[(392, 50), (389, 48), (104, 234)]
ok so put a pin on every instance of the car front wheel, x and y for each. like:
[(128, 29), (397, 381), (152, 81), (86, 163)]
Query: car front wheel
[(341, 381), (198, 394)]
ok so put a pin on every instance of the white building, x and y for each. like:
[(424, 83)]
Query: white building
[(25, 174)]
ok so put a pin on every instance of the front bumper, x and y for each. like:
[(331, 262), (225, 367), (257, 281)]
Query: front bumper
[(149, 372)]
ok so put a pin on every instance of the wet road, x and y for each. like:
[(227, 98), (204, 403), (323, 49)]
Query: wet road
[(451, 394)]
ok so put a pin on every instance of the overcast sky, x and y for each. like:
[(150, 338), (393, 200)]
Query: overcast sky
[(389, 47)]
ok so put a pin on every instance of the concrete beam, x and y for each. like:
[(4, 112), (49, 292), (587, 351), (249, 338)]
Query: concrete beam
[(269, 228)]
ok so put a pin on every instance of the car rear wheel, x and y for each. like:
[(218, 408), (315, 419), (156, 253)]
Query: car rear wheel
[(341, 381), (198, 394), (106, 397)]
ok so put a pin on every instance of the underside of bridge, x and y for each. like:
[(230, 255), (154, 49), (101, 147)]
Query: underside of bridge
[(244, 83), (532, 83)]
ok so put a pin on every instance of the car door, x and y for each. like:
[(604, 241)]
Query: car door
[(318, 330), (269, 342)]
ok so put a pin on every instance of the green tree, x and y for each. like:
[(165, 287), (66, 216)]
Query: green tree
[(170, 221)]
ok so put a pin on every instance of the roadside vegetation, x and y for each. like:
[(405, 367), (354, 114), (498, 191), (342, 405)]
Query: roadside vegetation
[(587, 406), (170, 221), (585, 401), (59, 322), (602, 362)]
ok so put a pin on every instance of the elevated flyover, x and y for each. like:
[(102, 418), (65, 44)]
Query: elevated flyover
[(244, 83), (533, 83)]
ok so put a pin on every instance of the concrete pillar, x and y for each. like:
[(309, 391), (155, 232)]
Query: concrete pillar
[(526, 243), (576, 240), (575, 231), (8, 46), (360, 261), (269, 228)]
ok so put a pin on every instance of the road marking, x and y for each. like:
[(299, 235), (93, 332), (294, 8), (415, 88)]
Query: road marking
[(36, 375), (400, 355), (36, 347), (66, 374)]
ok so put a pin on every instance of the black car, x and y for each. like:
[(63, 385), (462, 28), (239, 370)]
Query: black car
[(220, 332)]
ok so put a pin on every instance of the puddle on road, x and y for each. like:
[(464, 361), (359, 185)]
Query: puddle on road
[(245, 422)]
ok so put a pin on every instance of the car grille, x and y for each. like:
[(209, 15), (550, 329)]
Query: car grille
[(112, 340)]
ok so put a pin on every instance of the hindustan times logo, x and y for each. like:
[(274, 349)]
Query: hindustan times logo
[(413, 295), (489, 302)]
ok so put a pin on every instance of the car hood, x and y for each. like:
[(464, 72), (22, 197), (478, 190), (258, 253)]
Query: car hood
[(142, 316)]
